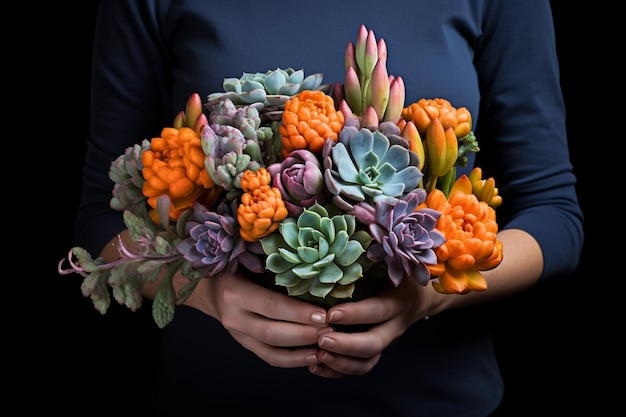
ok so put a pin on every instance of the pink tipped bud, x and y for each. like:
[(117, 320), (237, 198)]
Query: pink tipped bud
[(201, 121), (396, 99), (359, 50), (349, 58), (382, 49), (379, 88), (193, 109), (337, 94), (371, 55), (352, 91), (370, 119)]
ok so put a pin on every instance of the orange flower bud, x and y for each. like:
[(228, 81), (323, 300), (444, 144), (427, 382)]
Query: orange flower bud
[(470, 229), (309, 119), (262, 207), (174, 166)]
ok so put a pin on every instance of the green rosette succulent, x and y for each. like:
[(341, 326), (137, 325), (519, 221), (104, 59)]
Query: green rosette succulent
[(317, 257)]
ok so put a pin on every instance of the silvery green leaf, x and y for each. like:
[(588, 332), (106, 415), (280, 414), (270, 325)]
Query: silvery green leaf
[(351, 253), (305, 271), (330, 274), (312, 81), (319, 289), (287, 279), (308, 254), (351, 273)]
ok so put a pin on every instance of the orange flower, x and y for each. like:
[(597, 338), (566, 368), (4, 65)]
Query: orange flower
[(174, 166), (262, 207), (470, 228), (424, 111), (309, 118)]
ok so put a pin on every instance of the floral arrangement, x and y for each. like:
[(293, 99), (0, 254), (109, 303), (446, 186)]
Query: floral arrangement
[(328, 192)]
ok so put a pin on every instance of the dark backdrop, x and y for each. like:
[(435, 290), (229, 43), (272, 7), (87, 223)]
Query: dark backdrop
[(555, 345)]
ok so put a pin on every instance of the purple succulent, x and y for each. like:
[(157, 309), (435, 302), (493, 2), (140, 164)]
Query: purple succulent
[(405, 238), (214, 243), (300, 180)]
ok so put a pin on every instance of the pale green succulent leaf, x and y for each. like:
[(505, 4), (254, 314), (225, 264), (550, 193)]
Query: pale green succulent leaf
[(252, 96), (274, 80), (363, 237), (393, 190), (277, 264), (272, 242), (351, 253), (340, 243), (330, 274), (308, 254), (232, 85), (323, 248), (325, 261), (345, 167), (409, 176), (287, 279), (327, 228), (301, 288), (319, 289), (305, 271), (308, 237), (289, 89), (310, 218), (373, 193), (342, 291), (340, 223), (250, 85), (294, 76), (351, 273), (290, 232), (311, 82), (386, 173), (289, 256)]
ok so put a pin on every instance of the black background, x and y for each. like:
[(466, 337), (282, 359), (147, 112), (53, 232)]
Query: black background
[(558, 346)]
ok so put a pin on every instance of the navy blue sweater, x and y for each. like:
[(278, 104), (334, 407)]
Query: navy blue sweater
[(495, 57)]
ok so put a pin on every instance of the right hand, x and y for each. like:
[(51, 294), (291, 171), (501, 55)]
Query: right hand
[(281, 330)]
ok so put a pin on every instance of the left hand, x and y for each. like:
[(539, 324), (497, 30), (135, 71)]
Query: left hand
[(390, 314)]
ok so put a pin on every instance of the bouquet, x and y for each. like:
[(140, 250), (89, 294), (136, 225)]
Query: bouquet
[(329, 192)]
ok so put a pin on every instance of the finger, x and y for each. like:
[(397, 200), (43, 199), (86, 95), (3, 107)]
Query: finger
[(274, 305), (280, 357), (272, 332), (359, 345), (344, 365), (325, 371)]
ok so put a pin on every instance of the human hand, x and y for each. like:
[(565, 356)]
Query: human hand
[(279, 329), (389, 314)]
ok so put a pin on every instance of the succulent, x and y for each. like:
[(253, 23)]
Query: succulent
[(369, 166), (317, 256), (267, 91), (214, 243), (125, 172), (300, 179), (231, 145), (405, 238), (369, 92)]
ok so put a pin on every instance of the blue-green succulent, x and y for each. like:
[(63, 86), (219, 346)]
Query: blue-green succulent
[(317, 256)]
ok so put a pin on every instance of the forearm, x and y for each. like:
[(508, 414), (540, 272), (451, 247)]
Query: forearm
[(111, 252)]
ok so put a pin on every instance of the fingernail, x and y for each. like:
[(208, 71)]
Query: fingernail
[(327, 343), (318, 318), (311, 360), (335, 317)]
